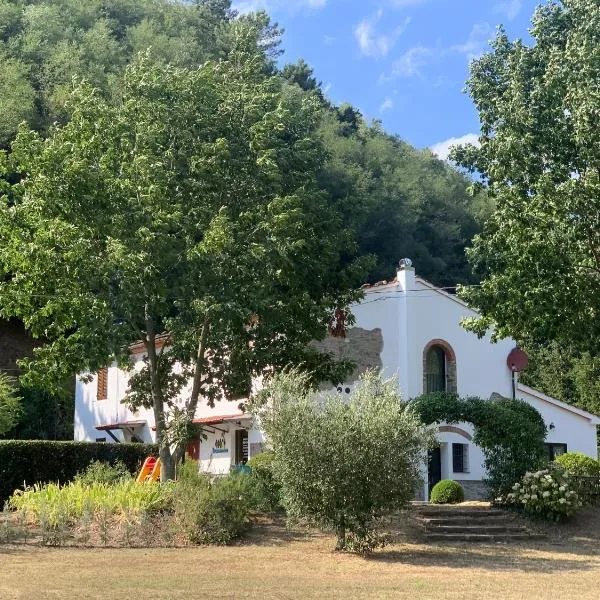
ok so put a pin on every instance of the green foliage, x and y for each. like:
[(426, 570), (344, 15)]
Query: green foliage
[(44, 44), (563, 372), (44, 415), (30, 462), (585, 475), (540, 146), (342, 462), (266, 490), (447, 492), (211, 510), (398, 200), (103, 472), (577, 463), (546, 494), (511, 433), (56, 503), (10, 404), (190, 208)]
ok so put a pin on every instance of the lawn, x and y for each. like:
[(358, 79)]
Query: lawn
[(276, 563)]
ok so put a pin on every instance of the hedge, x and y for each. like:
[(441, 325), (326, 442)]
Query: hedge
[(25, 462)]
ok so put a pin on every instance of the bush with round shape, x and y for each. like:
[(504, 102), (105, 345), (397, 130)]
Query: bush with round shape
[(577, 463), (447, 492)]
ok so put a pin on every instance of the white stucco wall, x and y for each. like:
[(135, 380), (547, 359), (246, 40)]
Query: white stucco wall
[(411, 313)]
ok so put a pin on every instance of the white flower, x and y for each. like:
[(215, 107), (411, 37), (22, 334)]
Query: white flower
[(562, 501), (546, 495), (533, 496), (562, 488), (516, 486)]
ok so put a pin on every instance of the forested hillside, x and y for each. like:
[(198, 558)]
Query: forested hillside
[(398, 200)]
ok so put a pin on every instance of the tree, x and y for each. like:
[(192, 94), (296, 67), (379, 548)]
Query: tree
[(10, 404), (188, 209), (342, 462), (45, 43), (539, 254)]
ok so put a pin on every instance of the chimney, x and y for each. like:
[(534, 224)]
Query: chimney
[(406, 275)]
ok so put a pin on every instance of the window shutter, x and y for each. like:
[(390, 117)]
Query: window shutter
[(102, 389)]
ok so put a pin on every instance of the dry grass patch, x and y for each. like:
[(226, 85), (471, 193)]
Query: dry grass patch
[(274, 562)]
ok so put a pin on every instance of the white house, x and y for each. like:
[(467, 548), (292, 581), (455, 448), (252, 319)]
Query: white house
[(409, 329)]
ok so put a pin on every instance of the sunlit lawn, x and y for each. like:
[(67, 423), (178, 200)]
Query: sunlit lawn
[(275, 563)]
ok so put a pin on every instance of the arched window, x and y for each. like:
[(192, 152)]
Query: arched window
[(439, 368), (435, 370)]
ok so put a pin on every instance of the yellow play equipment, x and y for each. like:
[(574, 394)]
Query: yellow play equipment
[(150, 470)]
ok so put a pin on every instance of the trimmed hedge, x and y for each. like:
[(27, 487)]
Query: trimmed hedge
[(25, 462), (447, 491)]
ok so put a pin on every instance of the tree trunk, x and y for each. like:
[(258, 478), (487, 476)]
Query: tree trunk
[(167, 464), (341, 535)]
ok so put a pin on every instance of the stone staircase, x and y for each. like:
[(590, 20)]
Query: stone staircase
[(464, 523)]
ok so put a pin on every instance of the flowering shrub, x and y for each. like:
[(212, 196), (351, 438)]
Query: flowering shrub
[(547, 494)]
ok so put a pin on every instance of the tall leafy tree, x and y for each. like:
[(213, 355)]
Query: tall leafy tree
[(189, 208), (539, 255)]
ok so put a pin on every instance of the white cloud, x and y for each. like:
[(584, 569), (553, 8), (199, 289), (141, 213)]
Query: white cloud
[(509, 8), (246, 6), (329, 40), (414, 59), (387, 104), (411, 61), (327, 87), (476, 43), (405, 3), (374, 44), (442, 149)]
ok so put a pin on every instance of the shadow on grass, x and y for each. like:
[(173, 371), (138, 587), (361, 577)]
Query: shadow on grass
[(494, 559)]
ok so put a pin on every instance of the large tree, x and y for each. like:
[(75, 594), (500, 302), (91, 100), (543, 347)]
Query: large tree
[(539, 255), (188, 208)]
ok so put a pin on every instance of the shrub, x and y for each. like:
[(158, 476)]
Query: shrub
[(266, 490), (103, 472), (342, 461), (211, 510), (25, 462), (53, 504), (447, 492), (577, 463), (547, 494), (585, 473)]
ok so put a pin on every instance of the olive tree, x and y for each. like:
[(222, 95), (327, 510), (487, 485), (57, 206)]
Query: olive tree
[(342, 461)]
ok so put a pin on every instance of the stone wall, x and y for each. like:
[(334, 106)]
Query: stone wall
[(474, 490), (15, 344)]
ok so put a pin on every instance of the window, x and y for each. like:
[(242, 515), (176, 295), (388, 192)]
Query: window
[(435, 370), (101, 440), (555, 450), (460, 458), (241, 447), (102, 389)]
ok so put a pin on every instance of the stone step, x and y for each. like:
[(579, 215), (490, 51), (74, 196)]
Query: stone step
[(477, 529), (479, 537), (448, 512), (452, 520)]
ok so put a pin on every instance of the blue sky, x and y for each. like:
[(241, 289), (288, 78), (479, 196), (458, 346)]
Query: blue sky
[(404, 62)]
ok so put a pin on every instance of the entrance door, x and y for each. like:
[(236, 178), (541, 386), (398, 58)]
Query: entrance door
[(241, 447), (434, 468)]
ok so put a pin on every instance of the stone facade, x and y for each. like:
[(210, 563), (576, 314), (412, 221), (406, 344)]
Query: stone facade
[(15, 344), (474, 490)]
